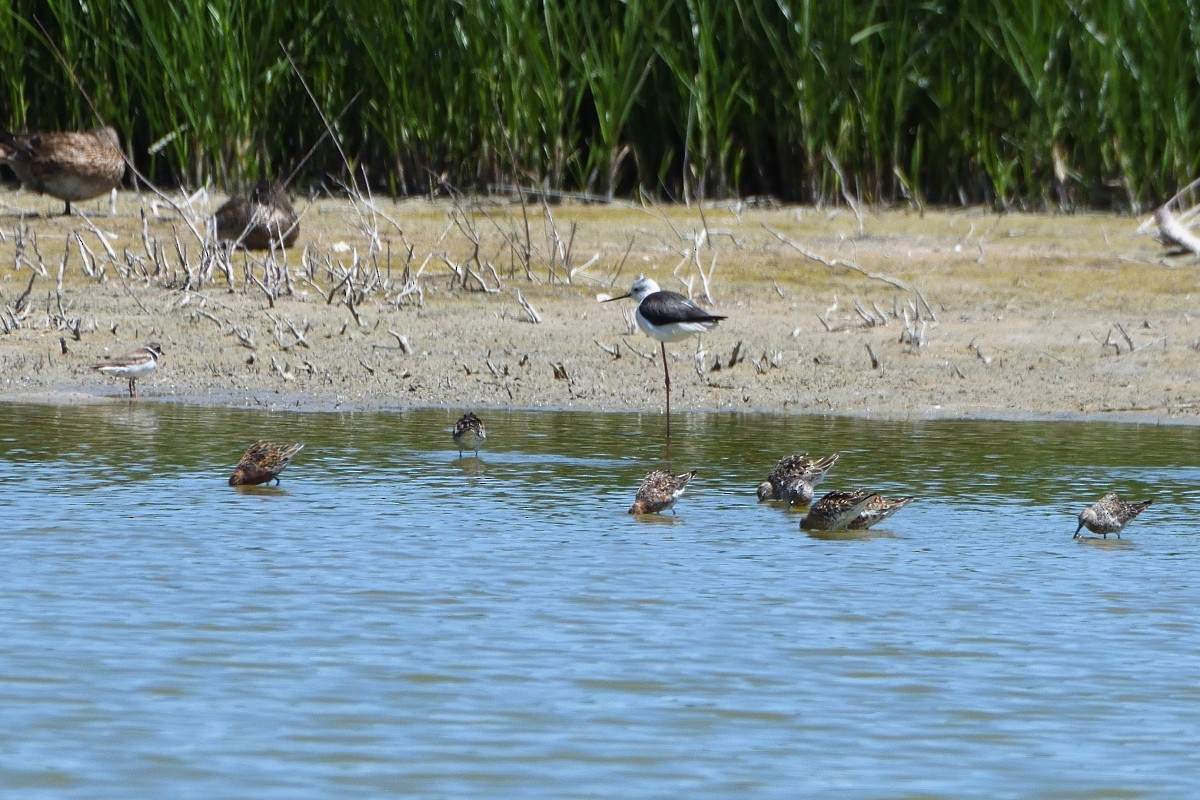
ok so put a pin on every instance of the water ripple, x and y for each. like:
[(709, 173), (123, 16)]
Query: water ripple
[(396, 620)]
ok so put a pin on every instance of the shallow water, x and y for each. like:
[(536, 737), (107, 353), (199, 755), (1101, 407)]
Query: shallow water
[(395, 620)]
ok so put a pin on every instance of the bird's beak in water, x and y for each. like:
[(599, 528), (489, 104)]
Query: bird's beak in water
[(610, 299)]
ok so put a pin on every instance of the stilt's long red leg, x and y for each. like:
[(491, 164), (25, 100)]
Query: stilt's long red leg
[(667, 380)]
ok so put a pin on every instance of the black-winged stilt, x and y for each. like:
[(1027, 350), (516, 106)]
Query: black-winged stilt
[(667, 317)]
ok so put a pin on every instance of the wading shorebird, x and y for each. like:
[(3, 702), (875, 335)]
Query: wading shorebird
[(667, 317), (794, 478), (261, 221), (132, 365), (469, 433), (1109, 515), (659, 491), (263, 462), (69, 165), (877, 510), (836, 510)]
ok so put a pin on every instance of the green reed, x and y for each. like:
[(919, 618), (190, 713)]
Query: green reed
[(1038, 103)]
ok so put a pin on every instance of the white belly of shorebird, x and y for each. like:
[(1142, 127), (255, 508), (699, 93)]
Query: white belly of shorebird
[(673, 331), (128, 370)]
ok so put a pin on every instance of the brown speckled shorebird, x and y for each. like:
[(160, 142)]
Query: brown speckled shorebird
[(659, 491), (877, 510), (69, 165), (132, 365), (1109, 515), (836, 510), (794, 478), (263, 220), (263, 462), (469, 433)]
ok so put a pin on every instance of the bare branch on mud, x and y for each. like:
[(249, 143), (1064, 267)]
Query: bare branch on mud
[(836, 262), (534, 316)]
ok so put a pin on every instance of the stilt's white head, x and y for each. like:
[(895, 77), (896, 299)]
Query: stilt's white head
[(642, 287)]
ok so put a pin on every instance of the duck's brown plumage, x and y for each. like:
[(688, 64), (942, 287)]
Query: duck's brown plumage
[(262, 220), (69, 165)]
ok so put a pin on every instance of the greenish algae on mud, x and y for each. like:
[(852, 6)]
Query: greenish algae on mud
[(1016, 315)]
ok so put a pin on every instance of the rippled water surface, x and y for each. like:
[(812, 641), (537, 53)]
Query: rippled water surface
[(396, 621)]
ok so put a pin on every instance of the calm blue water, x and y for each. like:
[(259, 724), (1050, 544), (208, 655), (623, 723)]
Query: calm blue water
[(395, 621)]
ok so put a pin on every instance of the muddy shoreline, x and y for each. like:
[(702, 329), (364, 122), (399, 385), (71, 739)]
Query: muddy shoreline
[(953, 314)]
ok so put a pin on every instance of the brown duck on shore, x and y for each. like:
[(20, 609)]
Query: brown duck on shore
[(69, 165), (261, 221)]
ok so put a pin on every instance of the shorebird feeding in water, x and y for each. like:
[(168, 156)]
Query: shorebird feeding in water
[(794, 478), (261, 221), (877, 510), (69, 165), (1109, 515), (263, 462), (469, 433), (659, 491), (667, 317), (836, 510), (133, 365)]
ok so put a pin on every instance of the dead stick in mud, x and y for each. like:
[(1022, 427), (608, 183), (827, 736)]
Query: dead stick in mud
[(401, 341), (875, 363), (1125, 335), (925, 303), (862, 312), (635, 351), (200, 312), (283, 371), (534, 316), (845, 189), (836, 262), (621, 263), (244, 337), (1175, 232), (1174, 201), (975, 348), (21, 305), (125, 285)]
